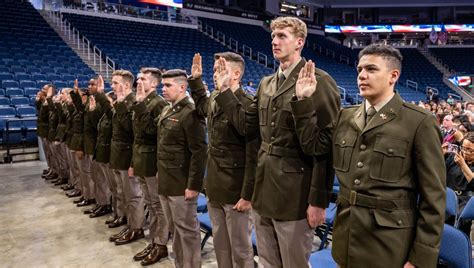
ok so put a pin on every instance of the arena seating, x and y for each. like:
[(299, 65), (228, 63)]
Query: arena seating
[(31, 55), (133, 45), (455, 58)]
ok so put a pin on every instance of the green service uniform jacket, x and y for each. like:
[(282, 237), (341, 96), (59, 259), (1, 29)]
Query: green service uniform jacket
[(229, 153), (284, 172), (104, 133), (43, 117), (69, 123), (122, 134), (91, 120), (53, 120), (145, 130), (62, 122), (181, 149), (77, 140), (392, 185)]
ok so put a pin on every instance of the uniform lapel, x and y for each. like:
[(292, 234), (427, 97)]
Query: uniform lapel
[(174, 109), (386, 114), (290, 81), (359, 117)]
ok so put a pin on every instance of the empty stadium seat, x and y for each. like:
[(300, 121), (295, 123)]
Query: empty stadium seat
[(10, 83), (14, 92), (26, 111), (18, 101)]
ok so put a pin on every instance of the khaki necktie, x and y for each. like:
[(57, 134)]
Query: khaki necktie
[(281, 79), (369, 114)]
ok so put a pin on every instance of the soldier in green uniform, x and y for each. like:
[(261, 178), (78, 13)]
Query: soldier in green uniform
[(91, 120), (388, 159), (102, 153), (121, 157), (74, 173), (181, 164), (55, 103), (42, 129), (77, 145), (286, 206), (146, 109), (229, 186)]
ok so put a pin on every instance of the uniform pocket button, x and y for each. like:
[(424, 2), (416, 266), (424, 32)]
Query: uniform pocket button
[(390, 151), (363, 147), (360, 164), (357, 182), (399, 222)]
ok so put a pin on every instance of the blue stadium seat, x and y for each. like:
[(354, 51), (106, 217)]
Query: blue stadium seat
[(22, 76), (9, 83), (27, 83), (456, 249), (60, 84), (14, 92), (206, 227), (38, 77), (31, 91), (26, 111), (41, 83), (4, 102), (19, 101)]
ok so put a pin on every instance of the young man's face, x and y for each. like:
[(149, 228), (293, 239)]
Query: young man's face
[(147, 81), (92, 86), (285, 43), (118, 84), (375, 76), (172, 90), (448, 122)]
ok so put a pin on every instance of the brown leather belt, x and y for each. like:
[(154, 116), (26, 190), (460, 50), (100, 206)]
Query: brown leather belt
[(278, 150), (357, 199)]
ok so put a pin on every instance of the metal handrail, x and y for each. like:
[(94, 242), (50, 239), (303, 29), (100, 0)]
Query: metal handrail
[(262, 56), (412, 84), (435, 90), (343, 92), (247, 48)]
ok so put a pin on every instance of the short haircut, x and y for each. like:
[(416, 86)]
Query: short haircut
[(127, 76), (155, 72), (389, 53), (298, 27), (469, 136), (177, 74), (232, 57), (469, 103)]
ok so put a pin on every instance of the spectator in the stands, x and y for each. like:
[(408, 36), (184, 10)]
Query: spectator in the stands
[(469, 106), (250, 89), (459, 168), (450, 99), (431, 96)]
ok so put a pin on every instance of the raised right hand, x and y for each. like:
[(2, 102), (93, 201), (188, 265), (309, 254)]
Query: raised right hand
[(196, 68), (92, 103), (100, 84)]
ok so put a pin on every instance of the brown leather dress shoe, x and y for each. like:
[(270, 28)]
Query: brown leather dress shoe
[(159, 252), (111, 219), (73, 193), (118, 222), (132, 235), (142, 254), (77, 201), (92, 209), (86, 202), (114, 237), (101, 211)]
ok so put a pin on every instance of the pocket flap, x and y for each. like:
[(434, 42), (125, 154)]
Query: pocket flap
[(403, 218), (231, 162), (293, 165), (346, 139), (391, 146), (147, 149)]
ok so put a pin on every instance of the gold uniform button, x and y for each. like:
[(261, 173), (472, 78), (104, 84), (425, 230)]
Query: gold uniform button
[(343, 142), (390, 151), (274, 109), (360, 164), (357, 182), (272, 138), (302, 169), (272, 124), (363, 147), (399, 222)]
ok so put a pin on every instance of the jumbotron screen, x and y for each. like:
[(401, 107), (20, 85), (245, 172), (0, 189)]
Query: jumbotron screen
[(426, 28), (170, 3)]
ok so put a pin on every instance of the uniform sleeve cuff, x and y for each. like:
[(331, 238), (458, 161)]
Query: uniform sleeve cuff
[(302, 107), (195, 83), (226, 99), (319, 198), (423, 255), (195, 185), (138, 108), (121, 108)]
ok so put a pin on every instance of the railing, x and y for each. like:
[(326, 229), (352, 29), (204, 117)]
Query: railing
[(455, 96), (8, 157), (359, 98), (412, 84), (343, 90), (136, 12), (234, 45), (435, 90), (93, 53)]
